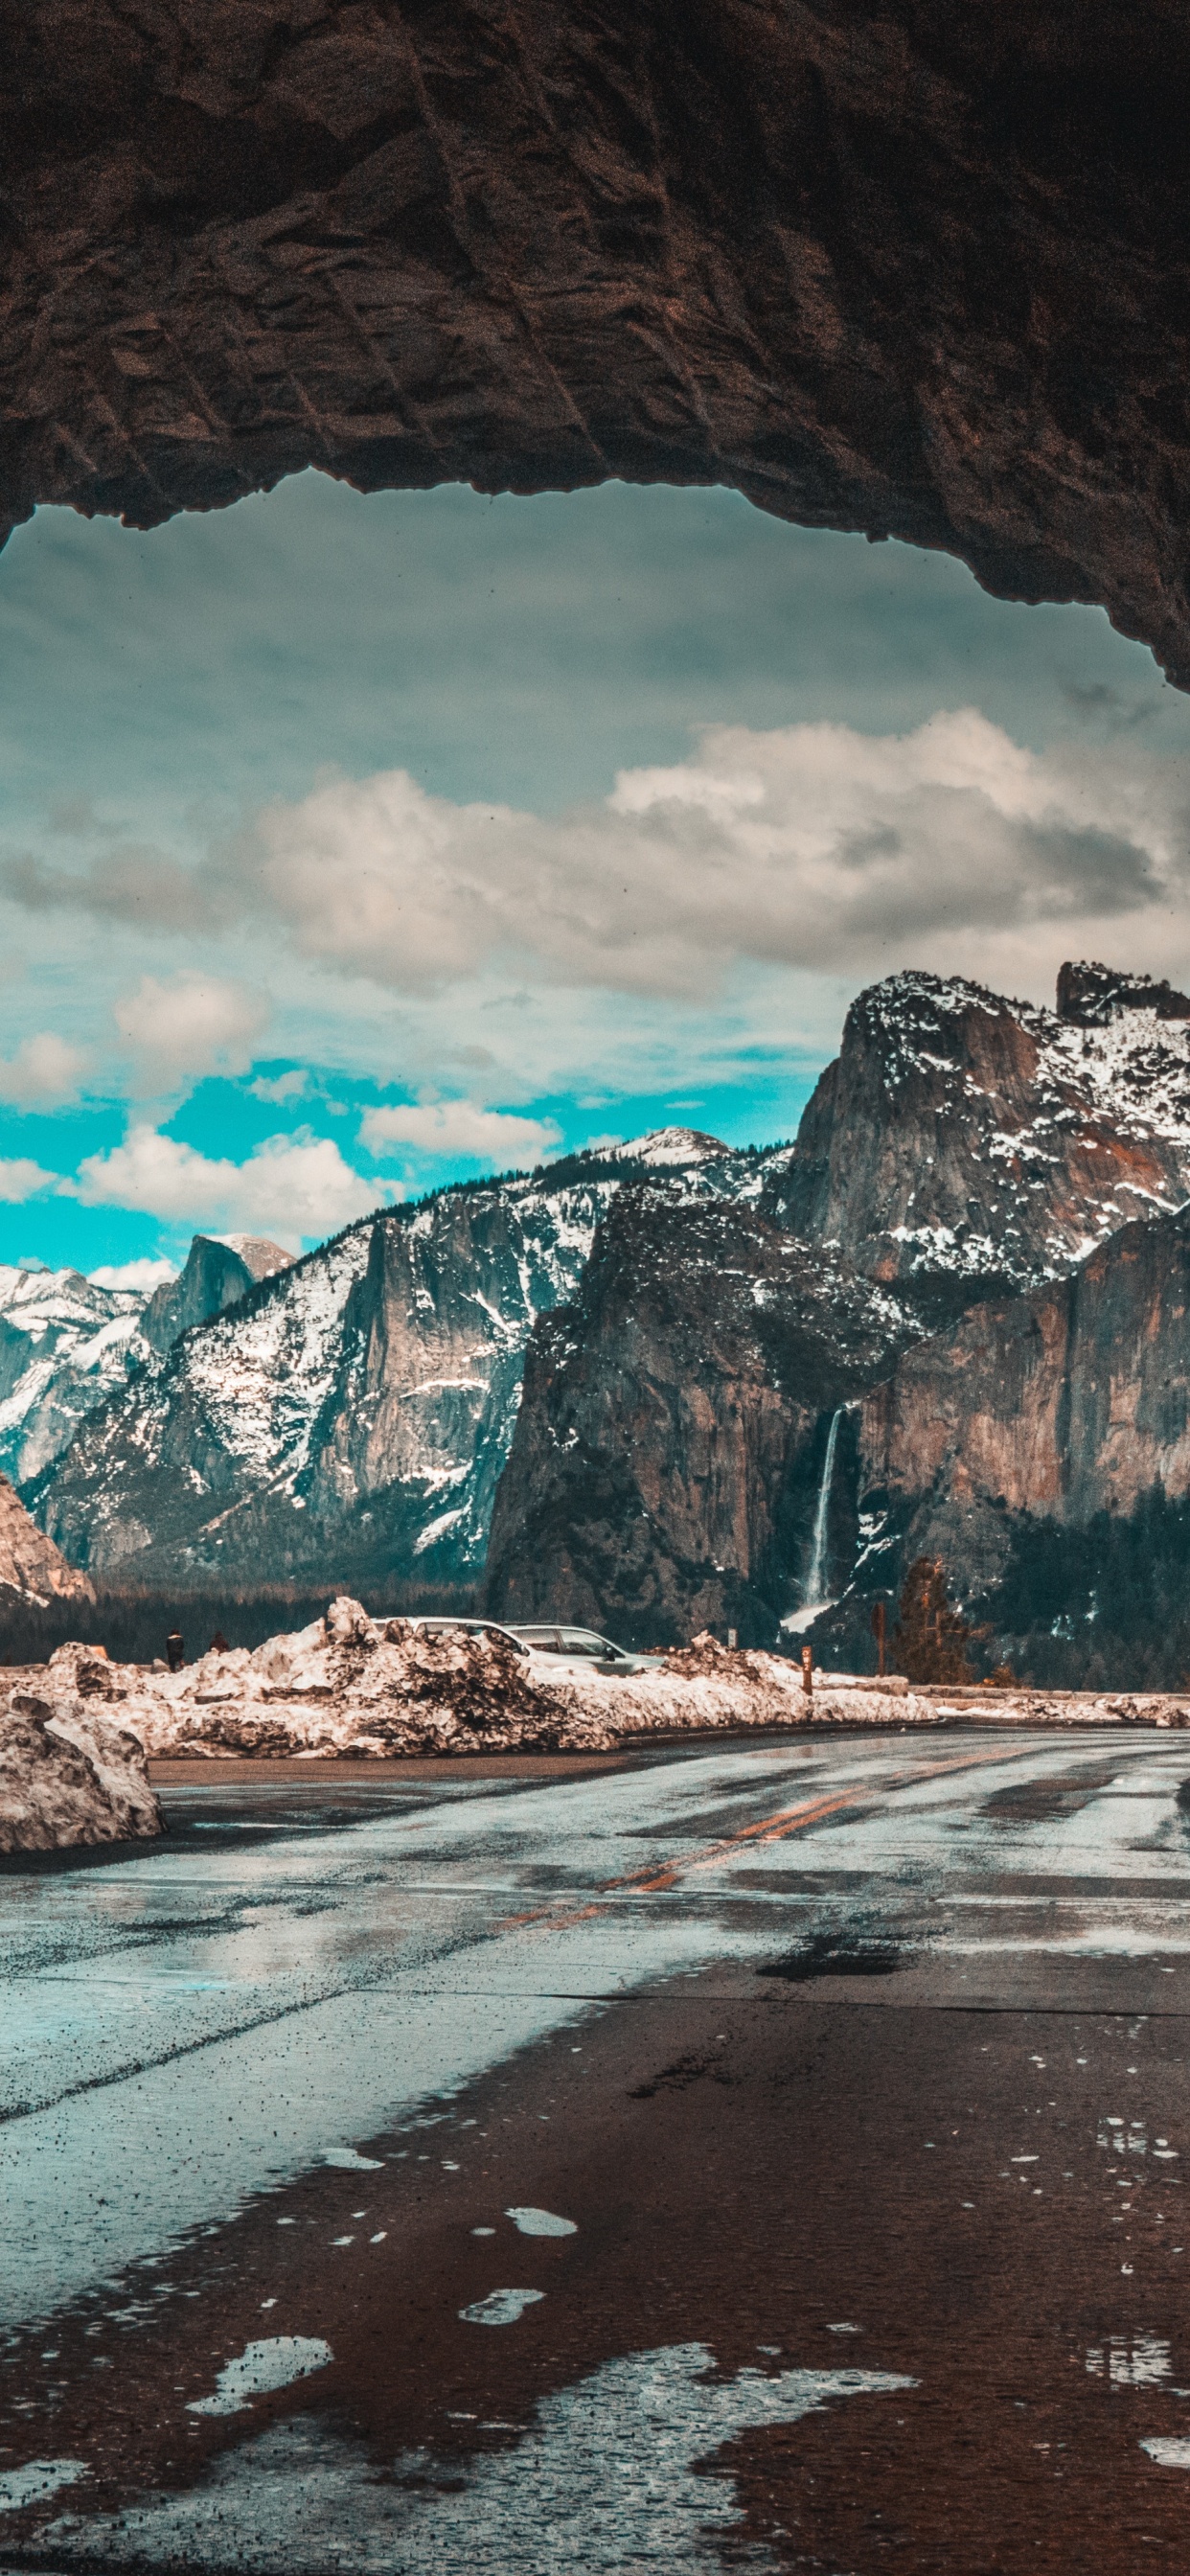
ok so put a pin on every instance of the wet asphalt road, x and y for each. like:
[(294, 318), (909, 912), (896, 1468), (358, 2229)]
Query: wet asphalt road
[(766, 2157)]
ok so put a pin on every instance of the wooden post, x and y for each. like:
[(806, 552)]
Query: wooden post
[(880, 1632), (808, 1671)]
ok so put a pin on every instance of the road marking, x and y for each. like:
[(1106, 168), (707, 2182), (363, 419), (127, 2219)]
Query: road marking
[(770, 1829), (790, 1820)]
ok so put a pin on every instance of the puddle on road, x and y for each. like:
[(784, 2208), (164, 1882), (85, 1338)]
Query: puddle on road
[(501, 2307), (610, 2474), (260, 2368), (1131, 2361), (825, 1955)]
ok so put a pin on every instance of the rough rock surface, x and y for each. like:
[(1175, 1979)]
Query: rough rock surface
[(1063, 1403), (68, 1774), (912, 269), (351, 1415), (963, 1143), (669, 1452), (30, 1564), (216, 1275)]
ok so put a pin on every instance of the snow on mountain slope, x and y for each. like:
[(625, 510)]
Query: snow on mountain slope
[(355, 1410), (64, 1345), (964, 1139)]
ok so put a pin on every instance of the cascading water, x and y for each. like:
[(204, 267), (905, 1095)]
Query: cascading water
[(816, 1579)]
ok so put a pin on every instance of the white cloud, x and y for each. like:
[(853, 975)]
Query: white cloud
[(143, 1276), (21, 1180), (44, 1068), (189, 1026), (460, 1129), (295, 1188), (277, 1088), (813, 846)]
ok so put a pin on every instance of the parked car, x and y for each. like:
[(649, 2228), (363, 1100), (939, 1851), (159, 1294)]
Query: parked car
[(474, 1627), (564, 1651), (583, 1650)]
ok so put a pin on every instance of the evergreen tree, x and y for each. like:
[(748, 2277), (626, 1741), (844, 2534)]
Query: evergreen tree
[(931, 1637)]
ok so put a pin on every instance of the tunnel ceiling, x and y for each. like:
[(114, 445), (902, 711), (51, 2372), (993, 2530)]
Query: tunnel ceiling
[(918, 269)]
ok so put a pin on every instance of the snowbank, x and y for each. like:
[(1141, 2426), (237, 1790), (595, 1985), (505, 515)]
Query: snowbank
[(68, 1775), (352, 1685), (349, 1684)]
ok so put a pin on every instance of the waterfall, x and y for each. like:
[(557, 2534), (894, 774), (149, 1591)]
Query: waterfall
[(816, 1580)]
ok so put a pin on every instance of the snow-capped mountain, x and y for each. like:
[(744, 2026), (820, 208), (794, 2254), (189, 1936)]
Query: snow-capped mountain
[(968, 1143), (356, 1409), (65, 1344), (350, 1417), (707, 1433)]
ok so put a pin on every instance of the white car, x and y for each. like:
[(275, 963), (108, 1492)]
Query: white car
[(562, 1651), (582, 1650)]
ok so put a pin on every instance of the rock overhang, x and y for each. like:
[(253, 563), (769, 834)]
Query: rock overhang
[(905, 270)]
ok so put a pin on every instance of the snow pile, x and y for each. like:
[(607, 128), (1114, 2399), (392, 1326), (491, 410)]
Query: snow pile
[(352, 1685), (68, 1775)]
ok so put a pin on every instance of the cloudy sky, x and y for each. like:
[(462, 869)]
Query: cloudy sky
[(348, 846)]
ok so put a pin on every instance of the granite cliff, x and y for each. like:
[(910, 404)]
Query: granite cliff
[(670, 1450), (963, 1144), (1007, 1179)]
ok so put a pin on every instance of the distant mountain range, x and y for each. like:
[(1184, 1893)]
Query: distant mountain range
[(671, 1383), (356, 1409)]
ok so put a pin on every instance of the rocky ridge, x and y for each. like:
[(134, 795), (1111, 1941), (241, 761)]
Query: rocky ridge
[(1070, 1401), (356, 1409), (218, 1272), (30, 1564), (962, 1144), (67, 1343)]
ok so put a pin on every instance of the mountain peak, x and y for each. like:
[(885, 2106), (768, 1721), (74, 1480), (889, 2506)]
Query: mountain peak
[(670, 1148), (1092, 996)]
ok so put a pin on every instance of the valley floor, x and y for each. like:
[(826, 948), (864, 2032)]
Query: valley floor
[(764, 2154)]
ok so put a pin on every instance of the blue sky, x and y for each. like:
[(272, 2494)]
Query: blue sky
[(348, 846)]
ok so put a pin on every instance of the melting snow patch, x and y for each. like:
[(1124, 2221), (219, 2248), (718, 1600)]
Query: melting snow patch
[(351, 2162), (37, 2480), (1170, 2451), (298, 2500), (501, 2307), (541, 2222), (260, 2368)]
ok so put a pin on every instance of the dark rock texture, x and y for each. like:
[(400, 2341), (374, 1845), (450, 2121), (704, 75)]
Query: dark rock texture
[(216, 1276), (906, 268), (669, 1452)]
